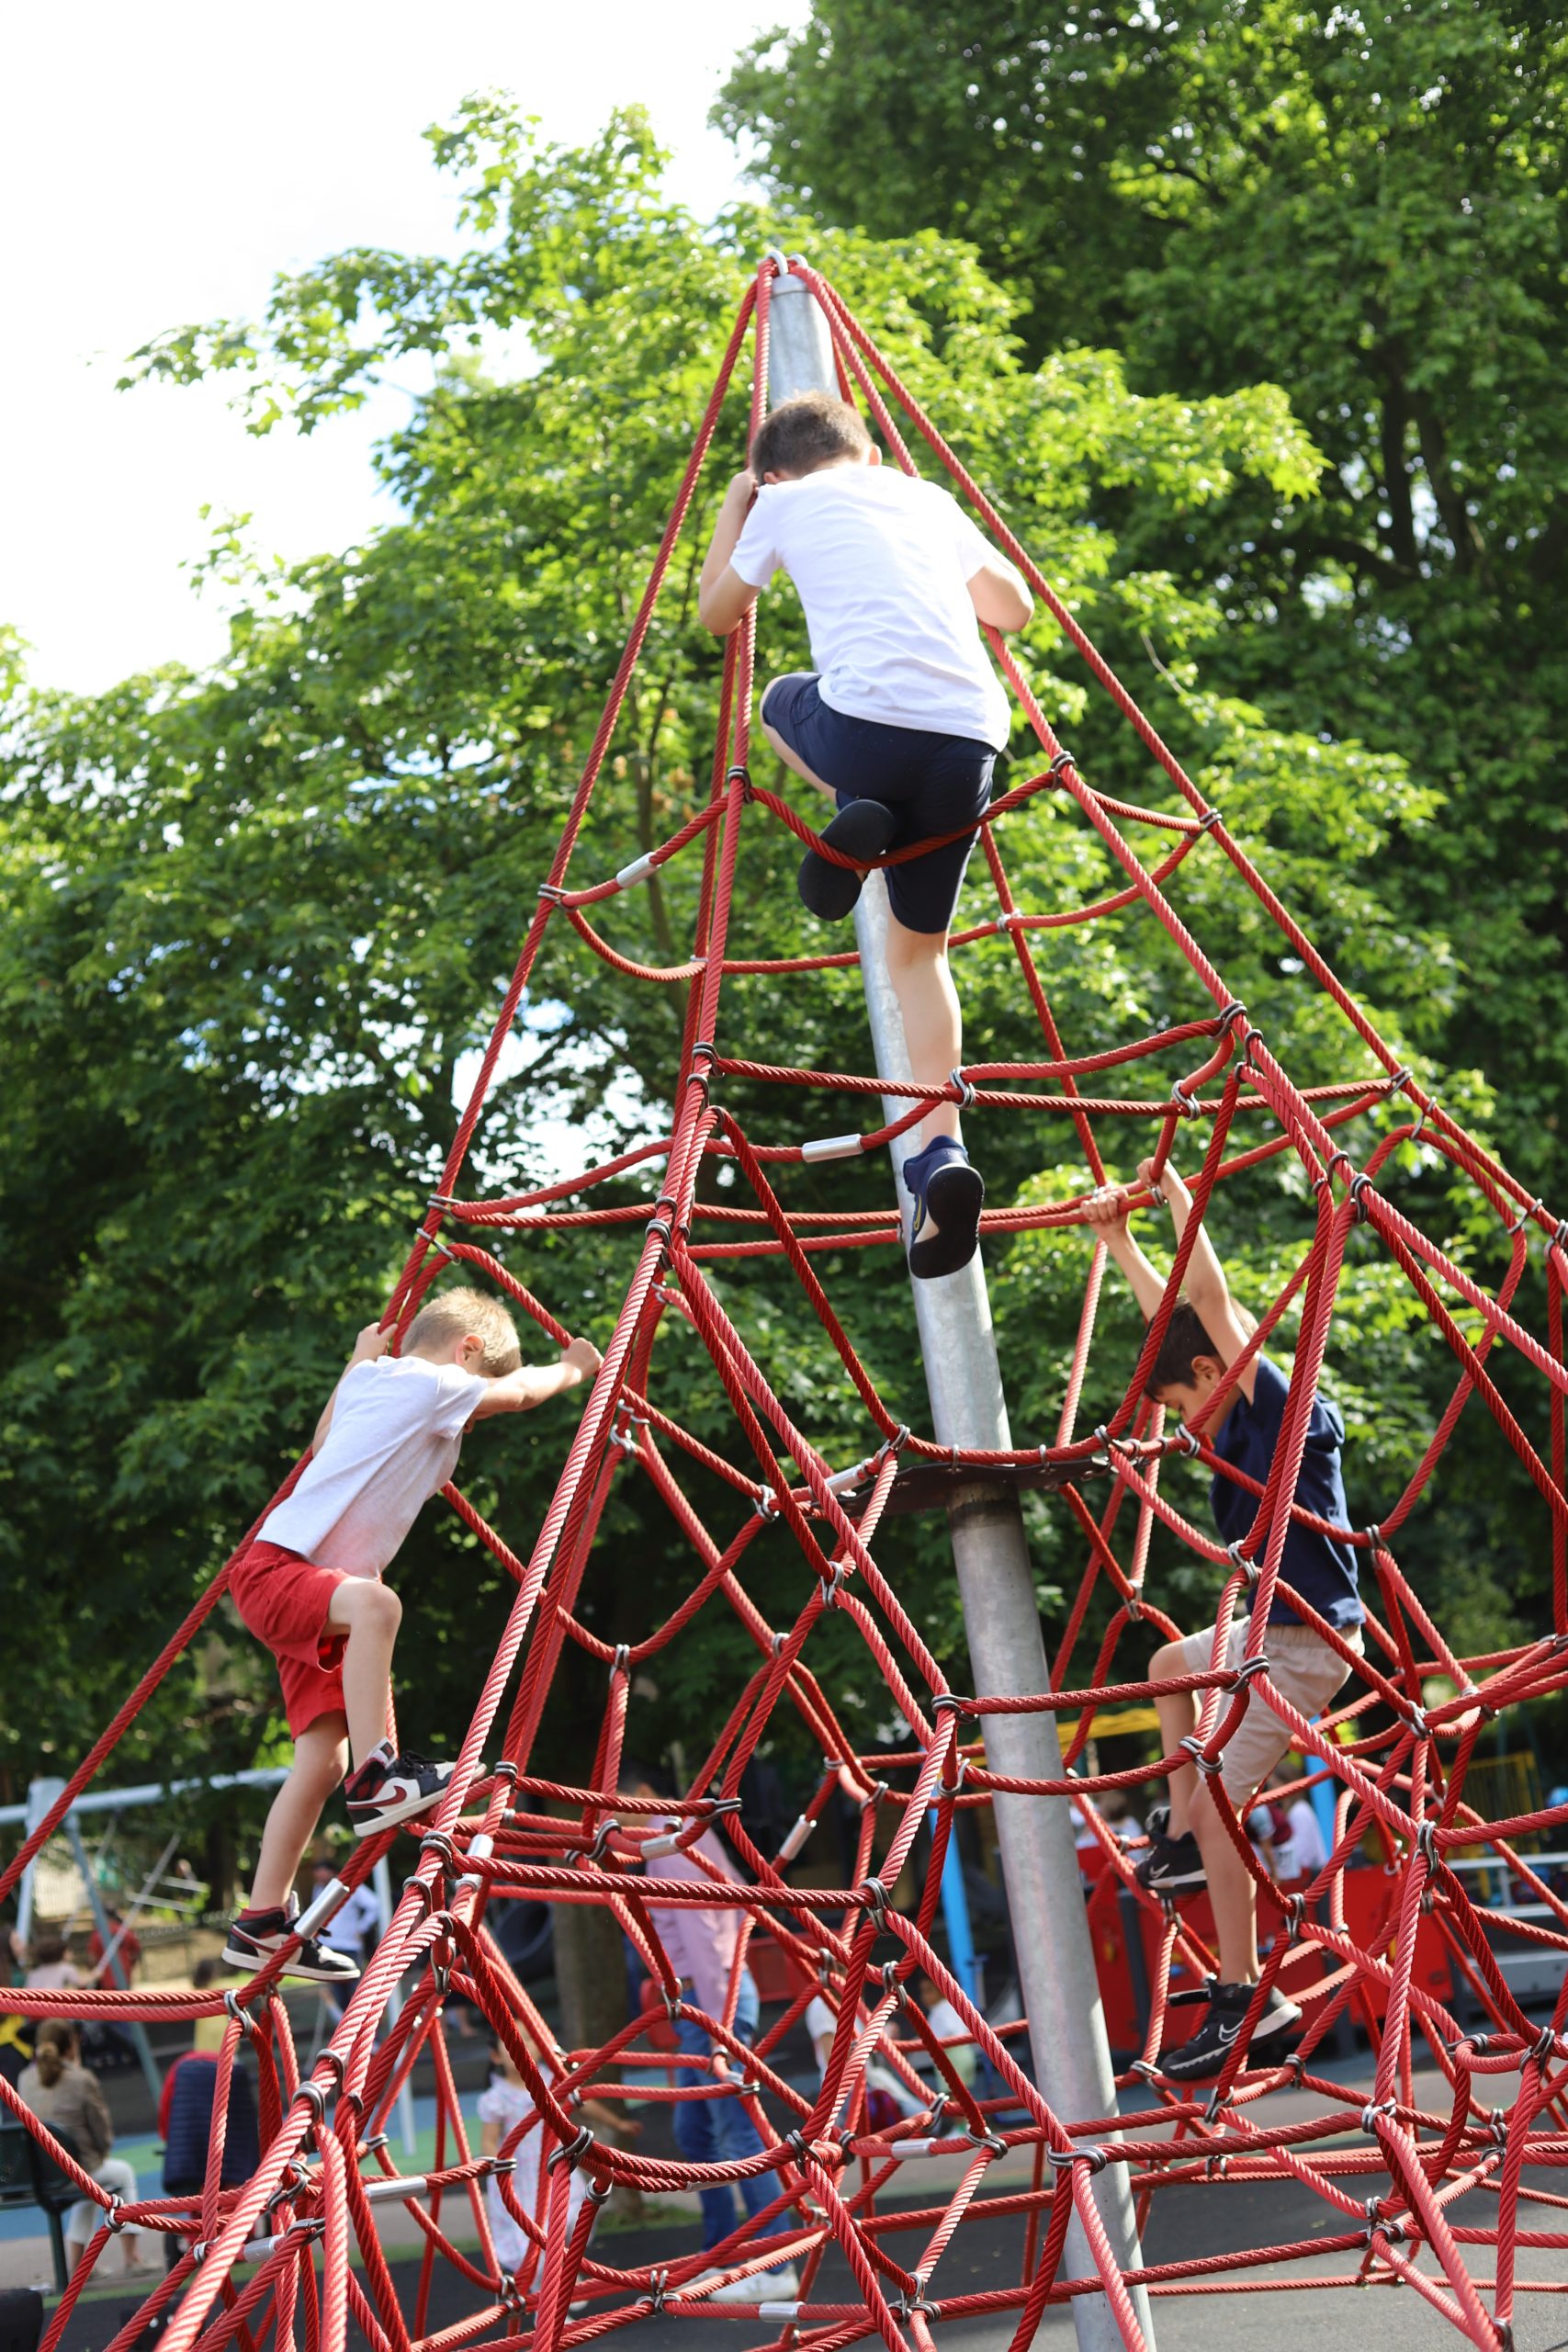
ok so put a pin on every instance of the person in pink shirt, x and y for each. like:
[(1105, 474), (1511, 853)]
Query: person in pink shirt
[(701, 1944)]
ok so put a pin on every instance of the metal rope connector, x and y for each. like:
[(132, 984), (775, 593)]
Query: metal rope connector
[(572, 2152), (1063, 2158), (1209, 1766)]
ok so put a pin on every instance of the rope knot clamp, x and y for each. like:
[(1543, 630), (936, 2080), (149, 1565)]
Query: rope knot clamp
[(992, 2140), (888, 1973), (1497, 2124), (508, 2294), (1416, 1719), (1210, 818), (1228, 1012), (112, 2213), (620, 1662), (315, 2097), (800, 2147), (706, 1047), (1209, 1766), (1523, 1219), (949, 1703), (966, 1091), (656, 2286), (1146, 2069), (1250, 1568), (1249, 1668), (1425, 1843), (1183, 1102), (1294, 1908), (1217, 2168), (1370, 2113), (376, 2139), (1063, 2159), (237, 2010), (873, 1795), (1295, 2065), (419, 1886), (571, 2153), (1424, 1111), (1544, 2046), (1060, 764), (334, 2058), (1359, 1185), (1373, 1535), (1250, 1037), (766, 1504), (552, 891), (828, 1585), (436, 1841), (719, 1805), (873, 1894), (1559, 1238), (738, 768), (1184, 1438), (503, 2164)]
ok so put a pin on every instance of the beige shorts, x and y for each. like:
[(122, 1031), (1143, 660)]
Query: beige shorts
[(1303, 1669)]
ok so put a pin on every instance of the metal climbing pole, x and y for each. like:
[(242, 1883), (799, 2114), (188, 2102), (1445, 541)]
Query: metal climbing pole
[(995, 1580)]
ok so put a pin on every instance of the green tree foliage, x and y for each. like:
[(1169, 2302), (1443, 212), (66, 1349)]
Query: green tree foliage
[(1365, 206), (253, 925)]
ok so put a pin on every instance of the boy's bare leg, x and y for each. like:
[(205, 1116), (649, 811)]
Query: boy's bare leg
[(934, 1024), (1177, 1713), (1233, 1895), (321, 1759), (369, 1612)]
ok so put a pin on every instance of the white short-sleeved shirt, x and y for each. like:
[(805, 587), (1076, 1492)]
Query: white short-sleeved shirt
[(882, 564), (396, 1430)]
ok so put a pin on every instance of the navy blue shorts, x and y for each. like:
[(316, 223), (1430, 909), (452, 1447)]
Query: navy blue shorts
[(936, 782)]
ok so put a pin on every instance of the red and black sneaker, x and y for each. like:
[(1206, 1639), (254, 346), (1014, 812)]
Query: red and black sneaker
[(388, 1789), (255, 1936)]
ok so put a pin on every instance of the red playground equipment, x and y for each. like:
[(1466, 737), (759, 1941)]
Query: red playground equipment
[(1460, 2090)]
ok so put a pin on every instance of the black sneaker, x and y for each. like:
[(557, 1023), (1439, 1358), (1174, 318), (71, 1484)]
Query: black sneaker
[(1170, 1863), (948, 1196), (1204, 2055), (255, 1936), (388, 1789), (860, 830)]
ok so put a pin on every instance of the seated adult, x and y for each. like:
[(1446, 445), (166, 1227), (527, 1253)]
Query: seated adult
[(185, 2124), (60, 2090)]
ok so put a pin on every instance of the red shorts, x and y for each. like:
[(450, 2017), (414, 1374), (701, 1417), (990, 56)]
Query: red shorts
[(284, 1600)]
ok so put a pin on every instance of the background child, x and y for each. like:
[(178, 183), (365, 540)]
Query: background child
[(503, 2105), (310, 1587), (901, 719), (1204, 1337)]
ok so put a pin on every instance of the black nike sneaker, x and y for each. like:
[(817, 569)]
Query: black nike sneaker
[(388, 1789), (255, 1936), (1198, 2060), (1171, 1863)]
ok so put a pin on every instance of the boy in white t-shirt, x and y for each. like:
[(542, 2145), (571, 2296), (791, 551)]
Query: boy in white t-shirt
[(310, 1585), (901, 721)]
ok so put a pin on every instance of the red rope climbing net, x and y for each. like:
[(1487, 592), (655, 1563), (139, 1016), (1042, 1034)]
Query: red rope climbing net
[(1387, 2159)]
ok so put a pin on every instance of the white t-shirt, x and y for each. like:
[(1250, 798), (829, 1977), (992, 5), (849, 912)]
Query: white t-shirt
[(353, 1924), (881, 562), (506, 2104), (1304, 1853), (945, 2023), (395, 1429)]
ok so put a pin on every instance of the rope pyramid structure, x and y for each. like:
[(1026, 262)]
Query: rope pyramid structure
[(273, 2256)]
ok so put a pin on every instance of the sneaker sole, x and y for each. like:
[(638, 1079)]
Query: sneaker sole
[(954, 1197), (252, 1962), (390, 1816)]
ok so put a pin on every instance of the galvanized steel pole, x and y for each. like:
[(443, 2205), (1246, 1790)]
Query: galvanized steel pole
[(996, 1581)]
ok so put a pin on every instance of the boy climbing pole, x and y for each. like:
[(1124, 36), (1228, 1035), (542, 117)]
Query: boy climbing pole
[(310, 1585), (901, 721), (1205, 1335)]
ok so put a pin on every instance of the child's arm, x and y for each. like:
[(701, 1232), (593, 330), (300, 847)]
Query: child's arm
[(489, 2137), (372, 1343), (1107, 1212), (724, 599), (535, 1384), (1205, 1285), (999, 594)]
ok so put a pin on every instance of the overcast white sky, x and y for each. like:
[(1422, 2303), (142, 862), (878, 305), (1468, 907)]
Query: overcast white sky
[(158, 165)]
